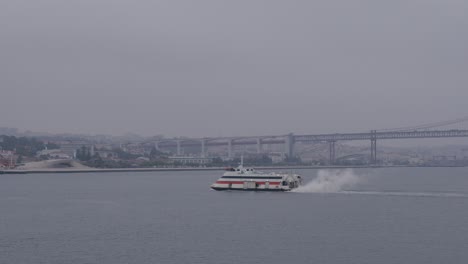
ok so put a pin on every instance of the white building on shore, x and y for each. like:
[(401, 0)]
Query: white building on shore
[(190, 160)]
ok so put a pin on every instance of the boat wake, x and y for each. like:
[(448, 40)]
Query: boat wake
[(343, 182), (329, 181), (410, 194)]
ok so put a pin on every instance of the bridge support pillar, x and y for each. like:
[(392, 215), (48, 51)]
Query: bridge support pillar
[(373, 147), (203, 151), (331, 152), (289, 145), (259, 145), (179, 147), (230, 148)]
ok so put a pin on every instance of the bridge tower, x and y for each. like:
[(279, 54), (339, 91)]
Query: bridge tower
[(230, 148), (203, 151), (331, 152), (259, 145), (373, 147), (179, 142), (289, 145)]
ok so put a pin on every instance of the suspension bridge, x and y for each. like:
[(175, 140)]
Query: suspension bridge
[(431, 130)]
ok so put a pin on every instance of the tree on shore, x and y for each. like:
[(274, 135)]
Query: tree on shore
[(24, 146), (83, 153)]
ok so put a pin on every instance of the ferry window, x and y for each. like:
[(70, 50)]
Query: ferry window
[(285, 183)]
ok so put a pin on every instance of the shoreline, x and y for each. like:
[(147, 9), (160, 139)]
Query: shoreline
[(97, 170)]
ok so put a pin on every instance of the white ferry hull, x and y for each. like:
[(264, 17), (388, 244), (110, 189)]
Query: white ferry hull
[(251, 185), (249, 189), (247, 179)]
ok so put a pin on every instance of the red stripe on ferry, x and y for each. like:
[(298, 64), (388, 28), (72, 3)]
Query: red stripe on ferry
[(241, 182)]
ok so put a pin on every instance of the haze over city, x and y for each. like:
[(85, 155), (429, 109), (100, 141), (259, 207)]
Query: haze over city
[(229, 68), (238, 131)]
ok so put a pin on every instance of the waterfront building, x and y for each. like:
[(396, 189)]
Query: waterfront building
[(190, 160)]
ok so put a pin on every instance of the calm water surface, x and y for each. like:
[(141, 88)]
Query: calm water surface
[(404, 215)]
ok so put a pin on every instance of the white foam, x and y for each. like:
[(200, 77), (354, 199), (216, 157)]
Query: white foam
[(343, 182), (329, 181)]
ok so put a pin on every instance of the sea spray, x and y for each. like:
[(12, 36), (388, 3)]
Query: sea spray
[(329, 181)]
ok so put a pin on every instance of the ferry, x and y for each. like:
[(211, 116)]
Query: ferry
[(248, 179)]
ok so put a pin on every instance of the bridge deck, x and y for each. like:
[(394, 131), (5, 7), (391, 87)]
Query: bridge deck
[(281, 139)]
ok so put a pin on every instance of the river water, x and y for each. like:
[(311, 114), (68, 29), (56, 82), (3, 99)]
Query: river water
[(396, 215)]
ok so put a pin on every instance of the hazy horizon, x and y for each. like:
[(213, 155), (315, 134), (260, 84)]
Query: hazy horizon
[(231, 68)]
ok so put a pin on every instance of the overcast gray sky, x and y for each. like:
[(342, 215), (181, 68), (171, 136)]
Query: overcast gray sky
[(230, 68)]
